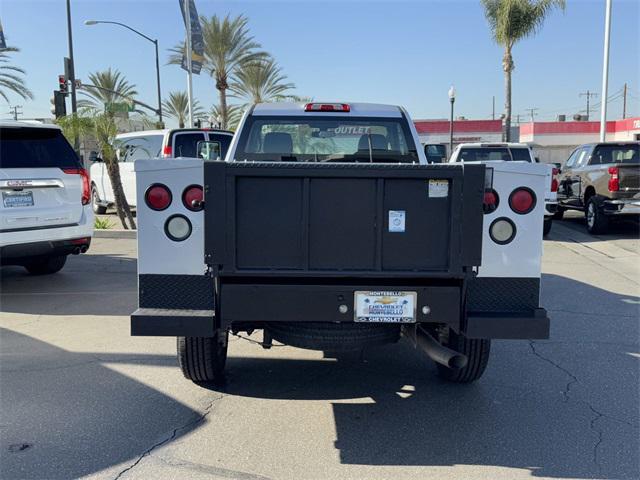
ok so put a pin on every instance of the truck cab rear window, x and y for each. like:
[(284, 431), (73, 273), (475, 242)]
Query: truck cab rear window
[(484, 154), (604, 154), (35, 148), (329, 139)]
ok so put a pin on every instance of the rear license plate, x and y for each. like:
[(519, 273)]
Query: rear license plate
[(17, 199), (385, 307)]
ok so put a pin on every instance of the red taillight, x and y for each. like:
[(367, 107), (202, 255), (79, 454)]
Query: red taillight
[(522, 200), (490, 201), (614, 179), (84, 177), (157, 197), (166, 151), (554, 179), (192, 194), (327, 107)]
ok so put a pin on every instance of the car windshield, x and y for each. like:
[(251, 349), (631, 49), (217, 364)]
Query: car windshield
[(35, 148), (604, 154), (332, 139)]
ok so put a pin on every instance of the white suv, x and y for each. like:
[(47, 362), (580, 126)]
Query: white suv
[(45, 210)]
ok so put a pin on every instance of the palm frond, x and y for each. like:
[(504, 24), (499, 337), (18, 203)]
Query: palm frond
[(11, 77)]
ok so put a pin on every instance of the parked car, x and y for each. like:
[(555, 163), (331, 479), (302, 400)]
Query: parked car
[(45, 213), (511, 152), (603, 181), (180, 142), (327, 229)]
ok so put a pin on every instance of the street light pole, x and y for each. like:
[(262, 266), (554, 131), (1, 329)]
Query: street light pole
[(452, 99), (72, 73), (605, 72), (155, 43)]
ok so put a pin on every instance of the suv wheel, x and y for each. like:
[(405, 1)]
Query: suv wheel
[(47, 265), (95, 202), (597, 221), (477, 351), (202, 359)]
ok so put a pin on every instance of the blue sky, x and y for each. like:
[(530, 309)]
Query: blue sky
[(400, 52)]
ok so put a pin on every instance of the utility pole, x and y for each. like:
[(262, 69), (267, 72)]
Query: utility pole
[(13, 111), (518, 119), (588, 94), (624, 101), (493, 107), (532, 112), (605, 71)]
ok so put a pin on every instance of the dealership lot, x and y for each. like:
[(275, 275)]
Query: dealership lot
[(80, 397)]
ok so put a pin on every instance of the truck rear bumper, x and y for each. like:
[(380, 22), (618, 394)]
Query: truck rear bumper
[(532, 325), (164, 322), (629, 206)]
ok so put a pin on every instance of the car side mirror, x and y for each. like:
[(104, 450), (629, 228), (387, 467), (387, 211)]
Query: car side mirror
[(94, 157)]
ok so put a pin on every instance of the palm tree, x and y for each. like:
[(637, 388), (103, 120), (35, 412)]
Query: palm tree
[(228, 46), (260, 81), (233, 115), (511, 21), (10, 77), (107, 87), (177, 106)]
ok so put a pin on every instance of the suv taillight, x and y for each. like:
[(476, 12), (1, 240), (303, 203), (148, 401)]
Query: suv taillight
[(167, 151), (554, 179), (84, 176), (614, 179)]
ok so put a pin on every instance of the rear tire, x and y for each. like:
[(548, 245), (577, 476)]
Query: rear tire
[(95, 202), (477, 351), (331, 336), (597, 221), (202, 359), (546, 227), (47, 265), (559, 214)]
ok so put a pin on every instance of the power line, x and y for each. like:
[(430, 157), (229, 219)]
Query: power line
[(13, 111)]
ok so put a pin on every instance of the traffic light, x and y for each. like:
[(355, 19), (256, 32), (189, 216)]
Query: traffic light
[(62, 83), (58, 104)]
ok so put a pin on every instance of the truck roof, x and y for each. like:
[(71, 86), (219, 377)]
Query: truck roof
[(492, 145), (356, 109)]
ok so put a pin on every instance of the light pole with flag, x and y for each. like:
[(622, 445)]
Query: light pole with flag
[(193, 55)]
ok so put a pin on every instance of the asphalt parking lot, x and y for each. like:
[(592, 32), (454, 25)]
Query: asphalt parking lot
[(79, 397)]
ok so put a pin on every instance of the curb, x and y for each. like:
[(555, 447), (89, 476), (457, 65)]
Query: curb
[(115, 233)]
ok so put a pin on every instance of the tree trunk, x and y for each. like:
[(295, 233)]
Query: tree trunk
[(507, 67), (122, 206), (223, 107), (181, 123)]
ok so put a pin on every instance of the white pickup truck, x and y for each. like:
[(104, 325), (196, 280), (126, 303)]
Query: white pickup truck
[(326, 229), (512, 152)]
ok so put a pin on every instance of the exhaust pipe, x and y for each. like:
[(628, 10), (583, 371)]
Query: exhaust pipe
[(76, 251), (83, 249), (438, 352)]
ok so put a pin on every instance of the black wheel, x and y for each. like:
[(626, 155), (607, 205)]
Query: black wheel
[(333, 336), (476, 350), (546, 227), (559, 214), (95, 202), (597, 221), (46, 265), (202, 359)]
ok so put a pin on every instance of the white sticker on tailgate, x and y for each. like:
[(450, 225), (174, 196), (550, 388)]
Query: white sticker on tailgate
[(438, 188)]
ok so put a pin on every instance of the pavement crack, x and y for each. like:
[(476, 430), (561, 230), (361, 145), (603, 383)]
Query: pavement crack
[(205, 412), (599, 441), (573, 379)]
